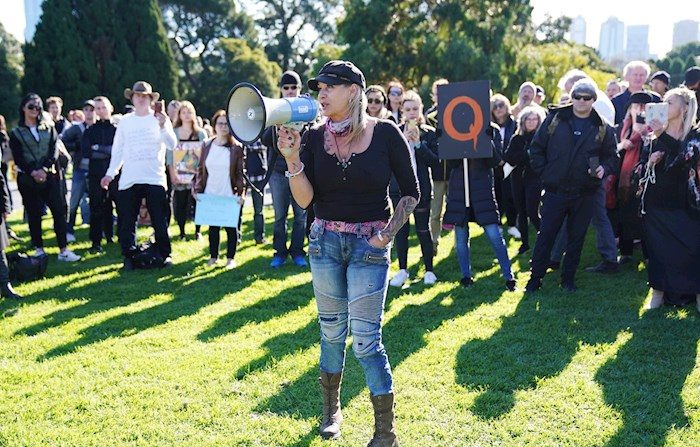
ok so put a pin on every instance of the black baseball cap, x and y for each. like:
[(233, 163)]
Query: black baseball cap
[(643, 97), (661, 76), (336, 73), (692, 76), (89, 103)]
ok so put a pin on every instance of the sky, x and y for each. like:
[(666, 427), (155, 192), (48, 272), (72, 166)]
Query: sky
[(660, 16)]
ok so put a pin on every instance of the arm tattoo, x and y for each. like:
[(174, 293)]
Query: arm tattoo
[(403, 210)]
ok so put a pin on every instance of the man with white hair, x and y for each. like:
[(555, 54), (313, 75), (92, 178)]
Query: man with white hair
[(636, 74), (572, 151)]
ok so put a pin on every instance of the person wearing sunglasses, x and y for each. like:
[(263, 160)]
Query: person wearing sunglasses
[(572, 151), (395, 90), (35, 147), (290, 86), (376, 103)]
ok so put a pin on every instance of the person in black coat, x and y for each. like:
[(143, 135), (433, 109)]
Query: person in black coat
[(525, 183), (671, 204), (96, 146), (6, 289), (423, 141), (572, 151), (482, 209)]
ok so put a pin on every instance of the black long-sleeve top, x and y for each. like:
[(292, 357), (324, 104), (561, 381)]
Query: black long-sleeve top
[(360, 193), (100, 133), (671, 187)]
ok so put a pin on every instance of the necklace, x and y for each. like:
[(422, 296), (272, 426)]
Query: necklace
[(343, 161)]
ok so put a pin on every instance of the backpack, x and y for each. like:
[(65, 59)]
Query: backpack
[(147, 257), (26, 268)]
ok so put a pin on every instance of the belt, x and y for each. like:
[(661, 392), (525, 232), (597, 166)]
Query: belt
[(366, 229)]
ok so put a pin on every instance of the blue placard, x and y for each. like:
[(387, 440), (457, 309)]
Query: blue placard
[(217, 211)]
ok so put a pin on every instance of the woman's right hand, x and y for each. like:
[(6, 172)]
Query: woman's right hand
[(288, 142), (655, 157), (657, 126)]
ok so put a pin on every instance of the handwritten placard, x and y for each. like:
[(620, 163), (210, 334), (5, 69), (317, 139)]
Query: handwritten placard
[(217, 211)]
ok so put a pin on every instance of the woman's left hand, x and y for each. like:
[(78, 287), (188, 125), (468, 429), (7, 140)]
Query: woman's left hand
[(376, 243)]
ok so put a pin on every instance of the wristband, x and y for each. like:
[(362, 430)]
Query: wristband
[(290, 175)]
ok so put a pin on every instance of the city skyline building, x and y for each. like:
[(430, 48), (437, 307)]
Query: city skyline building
[(684, 32)]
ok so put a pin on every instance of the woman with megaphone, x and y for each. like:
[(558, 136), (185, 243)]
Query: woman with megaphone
[(344, 171)]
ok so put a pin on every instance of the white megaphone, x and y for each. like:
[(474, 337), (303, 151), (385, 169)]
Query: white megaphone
[(249, 113)]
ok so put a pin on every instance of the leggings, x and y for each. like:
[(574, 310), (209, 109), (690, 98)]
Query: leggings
[(421, 217), (231, 242)]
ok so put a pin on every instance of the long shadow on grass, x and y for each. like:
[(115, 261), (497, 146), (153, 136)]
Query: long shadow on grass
[(539, 340), (276, 306), (404, 334), (645, 379), (187, 300)]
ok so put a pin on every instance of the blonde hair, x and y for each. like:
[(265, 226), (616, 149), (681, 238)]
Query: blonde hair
[(691, 107), (496, 98), (358, 114), (413, 96), (178, 121), (105, 100), (525, 114)]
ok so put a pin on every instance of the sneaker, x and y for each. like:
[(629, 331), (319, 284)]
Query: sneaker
[(12, 235), (277, 261), (604, 267), (199, 237), (510, 285), (467, 281), (624, 260), (400, 278), (514, 232), (68, 256), (300, 261), (260, 241), (212, 262), (70, 237), (230, 264), (39, 252), (128, 264), (533, 285), (168, 261), (429, 278)]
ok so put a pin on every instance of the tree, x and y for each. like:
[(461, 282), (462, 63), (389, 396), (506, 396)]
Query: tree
[(553, 29), (677, 61), (545, 64), (194, 30), (57, 61), (10, 71), (292, 29), (79, 51), (235, 61), (418, 41)]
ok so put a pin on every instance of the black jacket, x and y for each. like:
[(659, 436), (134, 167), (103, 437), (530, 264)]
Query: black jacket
[(101, 134), (32, 162), (561, 162), (71, 139), (483, 208), (517, 154)]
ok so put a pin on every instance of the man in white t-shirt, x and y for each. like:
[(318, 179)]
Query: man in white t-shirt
[(138, 150)]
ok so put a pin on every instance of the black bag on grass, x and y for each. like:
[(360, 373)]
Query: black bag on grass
[(147, 257), (26, 268)]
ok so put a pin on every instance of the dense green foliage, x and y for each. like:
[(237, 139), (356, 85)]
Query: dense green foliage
[(10, 72), (679, 60)]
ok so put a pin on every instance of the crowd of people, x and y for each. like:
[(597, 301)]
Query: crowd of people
[(354, 177)]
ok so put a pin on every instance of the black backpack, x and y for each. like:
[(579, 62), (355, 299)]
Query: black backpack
[(26, 268), (148, 257)]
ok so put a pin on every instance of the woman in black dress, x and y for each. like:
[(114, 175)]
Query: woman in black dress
[(671, 204)]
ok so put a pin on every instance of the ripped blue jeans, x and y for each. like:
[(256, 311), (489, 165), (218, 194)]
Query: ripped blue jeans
[(350, 283)]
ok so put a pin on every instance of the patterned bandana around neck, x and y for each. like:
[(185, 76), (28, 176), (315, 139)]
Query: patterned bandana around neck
[(340, 128)]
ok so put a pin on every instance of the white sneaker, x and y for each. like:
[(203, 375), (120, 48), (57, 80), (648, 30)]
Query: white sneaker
[(39, 252), (514, 232), (68, 256), (70, 237), (230, 264), (400, 278), (429, 278)]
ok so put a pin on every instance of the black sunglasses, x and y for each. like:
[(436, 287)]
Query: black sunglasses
[(498, 105), (33, 106), (290, 87), (375, 101), (582, 97)]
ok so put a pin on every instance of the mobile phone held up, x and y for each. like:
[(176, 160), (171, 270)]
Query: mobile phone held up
[(158, 106)]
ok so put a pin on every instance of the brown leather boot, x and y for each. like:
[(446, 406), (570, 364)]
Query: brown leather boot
[(384, 431), (332, 417)]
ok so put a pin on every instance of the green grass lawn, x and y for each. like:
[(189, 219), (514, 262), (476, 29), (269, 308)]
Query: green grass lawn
[(197, 356)]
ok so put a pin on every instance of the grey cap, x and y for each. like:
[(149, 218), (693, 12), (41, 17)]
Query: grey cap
[(585, 86)]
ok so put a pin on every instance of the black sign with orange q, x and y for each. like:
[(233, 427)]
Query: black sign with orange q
[(464, 114)]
